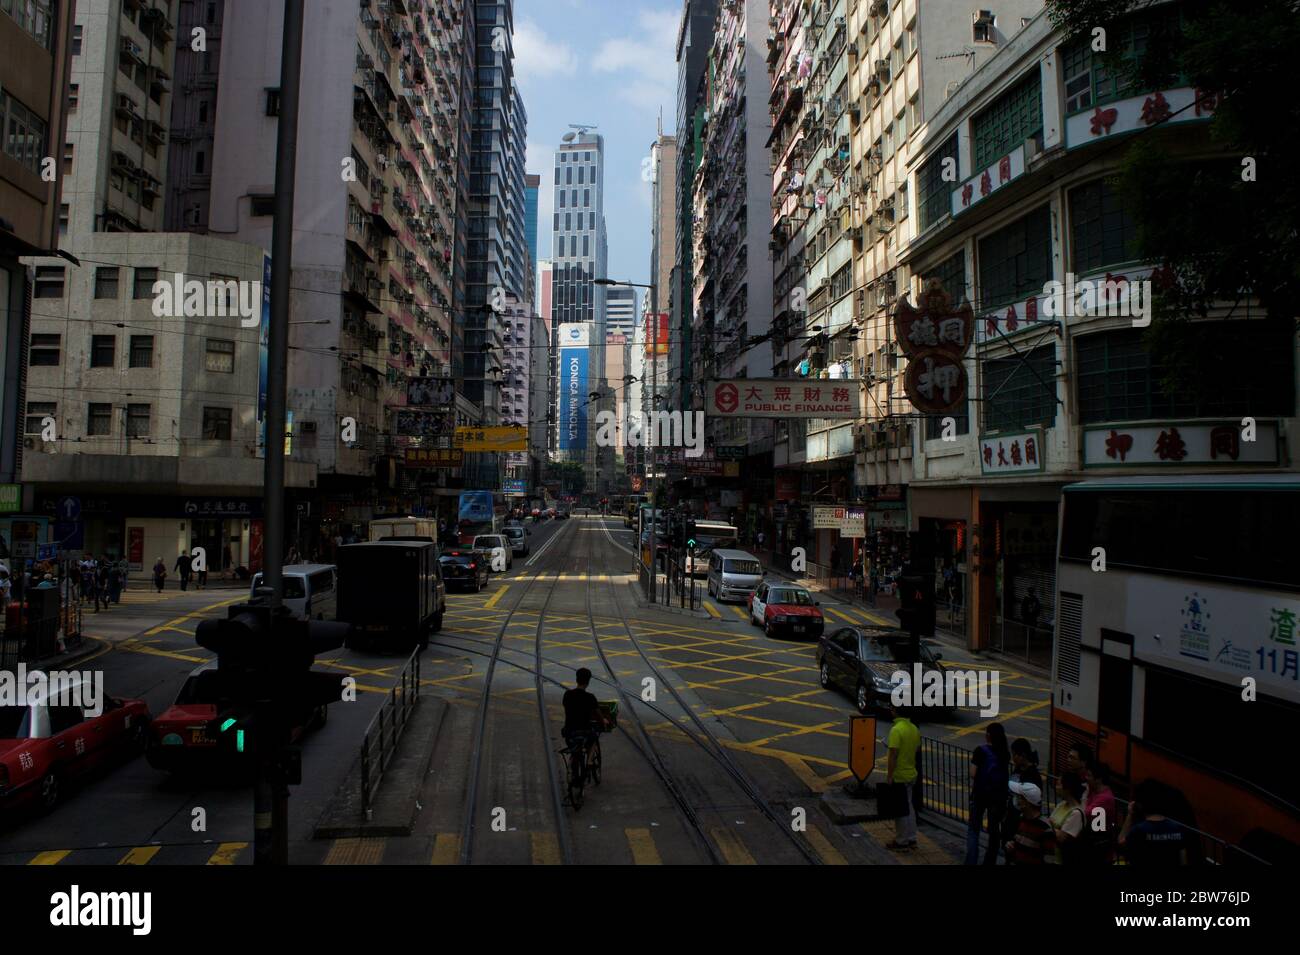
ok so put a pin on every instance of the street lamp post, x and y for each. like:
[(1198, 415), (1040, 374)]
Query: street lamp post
[(654, 380)]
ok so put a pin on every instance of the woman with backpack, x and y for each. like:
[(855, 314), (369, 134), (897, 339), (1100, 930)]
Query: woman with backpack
[(1024, 769), (989, 773)]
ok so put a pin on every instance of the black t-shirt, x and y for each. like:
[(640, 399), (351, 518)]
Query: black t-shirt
[(1159, 842), (579, 711)]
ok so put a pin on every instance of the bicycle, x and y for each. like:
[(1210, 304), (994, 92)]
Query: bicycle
[(582, 763)]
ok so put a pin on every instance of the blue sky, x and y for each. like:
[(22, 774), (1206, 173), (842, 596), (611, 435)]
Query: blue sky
[(609, 63)]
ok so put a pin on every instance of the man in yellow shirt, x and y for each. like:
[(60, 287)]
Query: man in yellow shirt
[(904, 741)]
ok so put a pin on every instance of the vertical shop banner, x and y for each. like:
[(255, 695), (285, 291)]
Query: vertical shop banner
[(656, 338), (574, 387), (135, 548)]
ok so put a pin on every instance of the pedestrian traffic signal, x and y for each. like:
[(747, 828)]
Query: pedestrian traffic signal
[(916, 603)]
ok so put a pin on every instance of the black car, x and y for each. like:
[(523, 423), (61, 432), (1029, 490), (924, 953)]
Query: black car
[(465, 568), (864, 660)]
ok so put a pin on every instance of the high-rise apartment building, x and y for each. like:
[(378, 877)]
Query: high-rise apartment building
[(192, 138), (620, 311), (532, 191)]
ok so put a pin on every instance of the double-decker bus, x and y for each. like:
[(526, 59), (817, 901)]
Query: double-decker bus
[(1178, 660), (481, 512)]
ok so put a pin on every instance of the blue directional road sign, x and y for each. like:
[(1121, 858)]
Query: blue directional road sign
[(69, 508)]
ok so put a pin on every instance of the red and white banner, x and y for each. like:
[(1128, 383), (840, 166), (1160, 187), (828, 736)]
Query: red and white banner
[(784, 398)]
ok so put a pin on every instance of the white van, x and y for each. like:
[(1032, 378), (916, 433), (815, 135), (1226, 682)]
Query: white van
[(733, 574), (408, 527), (310, 590)]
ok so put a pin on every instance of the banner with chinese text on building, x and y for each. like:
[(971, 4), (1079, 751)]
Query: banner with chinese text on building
[(784, 398), (505, 438), (1226, 444)]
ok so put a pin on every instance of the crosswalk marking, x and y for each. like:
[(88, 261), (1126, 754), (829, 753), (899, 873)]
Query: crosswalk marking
[(642, 844), (357, 851), (227, 853), (829, 854), (53, 857), (446, 849), (546, 848), (731, 848), (140, 855)]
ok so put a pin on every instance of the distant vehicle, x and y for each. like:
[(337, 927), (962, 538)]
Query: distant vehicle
[(310, 590), (733, 574), (782, 609), (864, 660), (561, 514), (181, 740), (410, 528), (492, 543), (391, 591), (518, 538), (481, 512), (465, 568), (45, 746), (709, 535)]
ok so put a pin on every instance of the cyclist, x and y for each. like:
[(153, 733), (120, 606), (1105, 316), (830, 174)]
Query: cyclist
[(583, 719)]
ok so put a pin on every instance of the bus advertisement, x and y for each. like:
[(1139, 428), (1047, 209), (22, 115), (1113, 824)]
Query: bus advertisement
[(481, 512), (1175, 658)]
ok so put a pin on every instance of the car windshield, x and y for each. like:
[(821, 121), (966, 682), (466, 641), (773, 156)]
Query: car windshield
[(895, 651), (292, 586), (800, 598), (488, 542), (734, 566), (200, 688), (15, 722), (465, 559), (514, 532)]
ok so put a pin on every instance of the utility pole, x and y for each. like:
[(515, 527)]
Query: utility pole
[(654, 385), (271, 793)]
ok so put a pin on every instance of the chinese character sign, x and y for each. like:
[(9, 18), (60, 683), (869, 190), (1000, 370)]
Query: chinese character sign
[(1015, 453), (783, 398)]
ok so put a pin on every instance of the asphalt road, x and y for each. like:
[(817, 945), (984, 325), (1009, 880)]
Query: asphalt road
[(725, 740)]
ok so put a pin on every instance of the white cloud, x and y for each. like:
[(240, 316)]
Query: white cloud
[(648, 59), (538, 56)]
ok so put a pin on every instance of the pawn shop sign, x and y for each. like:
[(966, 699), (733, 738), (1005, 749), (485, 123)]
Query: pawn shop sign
[(935, 325)]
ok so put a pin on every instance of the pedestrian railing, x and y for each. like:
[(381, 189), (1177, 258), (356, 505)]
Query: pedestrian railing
[(1033, 644), (379, 745), (944, 771), (683, 588)]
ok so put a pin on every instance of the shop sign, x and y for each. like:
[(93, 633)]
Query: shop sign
[(849, 521), (787, 486), (1116, 446), (935, 338), (1018, 453), (1009, 167), (434, 457), (493, 439), (891, 520), (11, 498), (784, 398), (1179, 105), (221, 507)]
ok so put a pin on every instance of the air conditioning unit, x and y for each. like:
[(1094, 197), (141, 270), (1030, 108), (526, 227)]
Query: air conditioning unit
[(852, 48), (882, 69), (880, 8), (308, 427)]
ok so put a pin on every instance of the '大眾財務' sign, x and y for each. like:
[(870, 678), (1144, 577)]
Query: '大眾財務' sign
[(784, 398)]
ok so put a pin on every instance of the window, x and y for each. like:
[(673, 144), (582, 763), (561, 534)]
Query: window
[(586, 197), (1101, 230), (586, 247), (200, 162), (64, 213), (1092, 79), (951, 275), (933, 191), (216, 424), (145, 279), (137, 421), (203, 112), (99, 420), (68, 152), (581, 170), (1016, 261), (593, 175), (74, 94), (141, 352), (106, 281), (102, 350), (49, 282), (557, 222), (220, 356), (273, 102), (37, 412), (33, 16), (1011, 119), (76, 40), (559, 246), (261, 206), (568, 221), (1020, 391), (568, 175), (561, 198), (45, 350), (841, 282), (557, 175), (1120, 380), (901, 203)]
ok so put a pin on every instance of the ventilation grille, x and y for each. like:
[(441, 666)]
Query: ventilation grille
[(1069, 615)]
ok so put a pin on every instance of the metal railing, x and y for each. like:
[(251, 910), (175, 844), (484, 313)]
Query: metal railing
[(945, 783), (1033, 644), (31, 628), (379, 745)]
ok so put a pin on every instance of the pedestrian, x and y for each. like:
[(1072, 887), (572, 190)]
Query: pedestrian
[(115, 583), (159, 574), (47, 582), (1024, 769), (101, 584), (1099, 812), (1149, 838), (6, 587), (1070, 832), (1033, 842), (203, 576), (184, 568), (1029, 610), (904, 741), (1077, 759), (989, 774), (87, 578)]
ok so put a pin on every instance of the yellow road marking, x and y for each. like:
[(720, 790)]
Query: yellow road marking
[(740, 612), (731, 848), (713, 611), (843, 616), (367, 851), (926, 852), (980, 727), (140, 855), (822, 846), (446, 849), (227, 852), (53, 857), (642, 844), (546, 848), (496, 597)]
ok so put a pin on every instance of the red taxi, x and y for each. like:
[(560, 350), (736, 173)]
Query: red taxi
[(48, 744), (785, 610)]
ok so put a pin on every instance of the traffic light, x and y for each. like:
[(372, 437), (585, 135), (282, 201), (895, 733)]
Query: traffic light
[(690, 533), (916, 603)]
